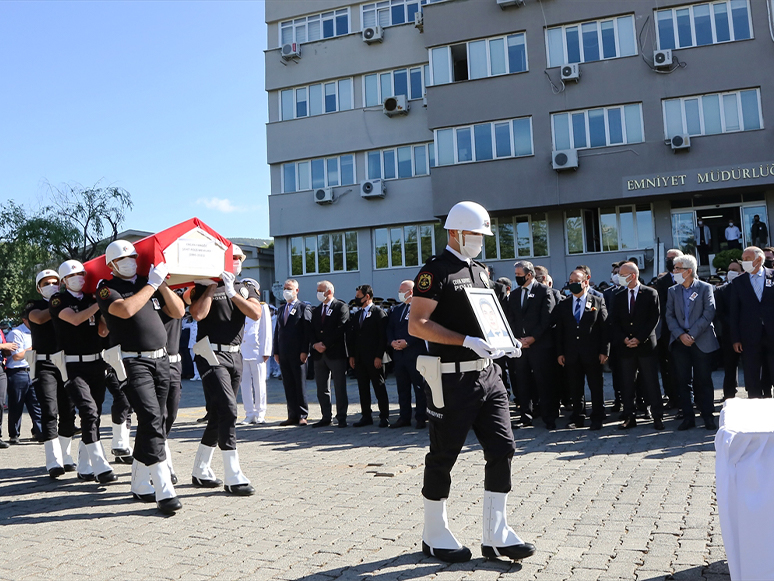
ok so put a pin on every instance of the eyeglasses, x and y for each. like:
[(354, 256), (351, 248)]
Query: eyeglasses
[(49, 284), (681, 268)]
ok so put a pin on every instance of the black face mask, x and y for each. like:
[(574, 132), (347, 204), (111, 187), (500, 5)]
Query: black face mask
[(670, 264), (575, 287), (359, 302), (520, 280), (768, 263)]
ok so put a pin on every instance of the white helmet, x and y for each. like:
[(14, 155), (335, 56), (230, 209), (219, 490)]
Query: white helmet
[(69, 267), (469, 216), (236, 251), (45, 274), (119, 249)]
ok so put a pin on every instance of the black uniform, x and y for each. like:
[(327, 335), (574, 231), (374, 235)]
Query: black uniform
[(174, 328), (223, 325), (475, 399), (86, 379), (121, 410), (147, 380), (49, 388)]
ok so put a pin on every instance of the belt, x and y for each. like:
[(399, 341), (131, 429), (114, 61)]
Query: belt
[(42, 357), (83, 358), (465, 366), (175, 358), (225, 348), (157, 354), (15, 369)]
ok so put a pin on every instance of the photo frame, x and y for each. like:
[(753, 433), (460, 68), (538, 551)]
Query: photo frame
[(491, 319)]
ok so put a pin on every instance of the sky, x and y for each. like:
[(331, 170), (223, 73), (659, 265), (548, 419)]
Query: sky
[(163, 99)]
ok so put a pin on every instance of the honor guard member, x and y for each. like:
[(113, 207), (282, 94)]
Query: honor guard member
[(130, 304), (54, 402), (120, 415), (220, 310), (77, 323), (466, 390), (174, 328)]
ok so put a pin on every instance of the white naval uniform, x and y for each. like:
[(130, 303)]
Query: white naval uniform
[(256, 344)]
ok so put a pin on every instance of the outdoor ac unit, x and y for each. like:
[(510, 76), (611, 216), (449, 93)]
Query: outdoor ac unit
[(372, 189), (570, 72), (419, 21), (681, 142), (662, 59), (505, 3), (638, 259), (397, 105), (291, 51), (323, 195), (372, 34), (565, 159)]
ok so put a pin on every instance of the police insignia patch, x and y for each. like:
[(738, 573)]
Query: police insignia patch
[(244, 292), (425, 281), (55, 302), (104, 292)]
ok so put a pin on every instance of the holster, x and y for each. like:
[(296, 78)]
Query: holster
[(31, 357), (204, 349), (430, 368), (58, 359), (113, 358)]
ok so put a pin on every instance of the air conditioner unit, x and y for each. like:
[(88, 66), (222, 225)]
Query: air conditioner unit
[(323, 195), (419, 21), (424, 101), (372, 189), (681, 142), (570, 72), (372, 34), (662, 59), (638, 259), (291, 51), (397, 105), (565, 159), (505, 3)]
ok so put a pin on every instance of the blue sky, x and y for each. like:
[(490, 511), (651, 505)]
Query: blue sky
[(164, 99)]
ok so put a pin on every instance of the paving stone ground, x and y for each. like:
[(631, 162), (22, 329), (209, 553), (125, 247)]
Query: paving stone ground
[(345, 504)]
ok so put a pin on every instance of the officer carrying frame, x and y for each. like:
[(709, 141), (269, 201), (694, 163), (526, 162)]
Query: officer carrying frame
[(492, 321)]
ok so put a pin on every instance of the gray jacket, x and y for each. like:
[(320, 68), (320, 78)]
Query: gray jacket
[(700, 315)]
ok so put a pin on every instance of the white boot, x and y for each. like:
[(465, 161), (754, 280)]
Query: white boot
[(142, 489), (500, 540), (169, 462), (202, 474), (166, 499), (65, 444), (85, 471), (121, 445), (235, 481), (99, 464), (54, 463), (437, 540)]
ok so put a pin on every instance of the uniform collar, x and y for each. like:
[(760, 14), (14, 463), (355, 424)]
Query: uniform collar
[(464, 259), (78, 296)]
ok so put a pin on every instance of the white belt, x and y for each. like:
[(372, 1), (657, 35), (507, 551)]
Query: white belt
[(224, 348), (175, 358), (157, 354), (83, 358), (465, 366), (43, 357)]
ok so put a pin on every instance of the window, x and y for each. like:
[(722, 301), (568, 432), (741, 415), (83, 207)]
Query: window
[(310, 28), (409, 82), (323, 253), (392, 12), (482, 142), (412, 245), (479, 59), (591, 41), (299, 176), (703, 24), (598, 127), (401, 162), (609, 229), (713, 114), (316, 99), (517, 237)]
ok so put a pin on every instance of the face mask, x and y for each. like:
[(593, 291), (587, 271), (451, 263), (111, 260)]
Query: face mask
[(730, 224), (472, 246), (700, 223), (126, 267), (402, 297), (520, 280), (49, 291), (575, 288), (747, 265), (359, 301), (670, 264), (237, 267), (614, 279), (320, 297), (288, 295), (75, 283), (732, 274), (679, 278), (623, 280), (768, 263)]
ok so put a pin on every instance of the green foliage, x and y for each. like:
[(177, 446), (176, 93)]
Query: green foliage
[(724, 258)]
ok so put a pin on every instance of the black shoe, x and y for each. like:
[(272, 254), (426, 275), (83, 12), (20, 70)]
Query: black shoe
[(687, 424), (240, 489), (124, 459), (289, 422), (401, 424), (679, 415), (151, 497), (526, 420), (627, 424), (658, 424), (321, 424), (56, 472), (77, 431), (447, 555), (709, 424), (173, 478), (203, 420), (14, 440), (106, 477), (384, 423), (550, 426), (421, 424), (203, 483), (341, 424), (70, 467), (515, 552), (622, 417), (363, 422), (4, 444), (572, 424), (87, 477), (595, 425), (169, 505), (616, 407), (645, 415), (121, 452)]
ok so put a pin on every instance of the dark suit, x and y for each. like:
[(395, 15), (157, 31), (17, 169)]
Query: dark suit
[(405, 360), (581, 343), (663, 284), (329, 328), (532, 374), (639, 324), (752, 325), (723, 299), (366, 341), (291, 339), (608, 295)]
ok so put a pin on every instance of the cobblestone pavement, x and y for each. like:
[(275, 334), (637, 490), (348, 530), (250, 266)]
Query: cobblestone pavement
[(345, 504)]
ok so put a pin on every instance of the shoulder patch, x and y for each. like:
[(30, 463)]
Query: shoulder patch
[(104, 292), (244, 292), (56, 301), (425, 281)]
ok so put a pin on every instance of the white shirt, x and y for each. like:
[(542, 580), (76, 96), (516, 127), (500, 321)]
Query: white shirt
[(22, 337), (629, 291), (257, 338), (464, 259), (733, 233), (582, 300)]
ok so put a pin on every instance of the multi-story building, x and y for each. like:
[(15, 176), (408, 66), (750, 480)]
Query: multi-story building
[(592, 131)]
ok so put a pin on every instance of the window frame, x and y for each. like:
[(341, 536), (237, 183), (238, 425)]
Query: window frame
[(325, 161), (494, 157), (579, 25), (700, 98), (308, 89), (691, 8), (423, 70), (585, 113), (598, 214), (531, 218), (316, 237), (381, 153), (402, 227), (295, 23)]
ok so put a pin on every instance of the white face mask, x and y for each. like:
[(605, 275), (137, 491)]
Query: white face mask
[(237, 267), (288, 295), (623, 280), (402, 297), (731, 275), (679, 278), (473, 244), (49, 291), (321, 296), (75, 283), (614, 278), (126, 267), (747, 265)]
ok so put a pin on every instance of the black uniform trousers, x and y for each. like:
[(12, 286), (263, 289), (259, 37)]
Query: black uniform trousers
[(535, 383), (221, 384), (406, 378), (478, 400), (120, 411), (578, 370), (294, 381), (757, 360), (641, 370), (668, 372), (21, 394), (326, 369), (731, 360), (173, 397), (693, 366), (86, 388), (54, 402), (146, 389), (367, 374)]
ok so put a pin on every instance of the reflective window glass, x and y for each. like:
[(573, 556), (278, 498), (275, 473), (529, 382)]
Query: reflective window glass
[(517, 53), (287, 104), (608, 38), (666, 29), (477, 59), (731, 112), (345, 94), (315, 100), (416, 84), (615, 126), (347, 170), (597, 137), (722, 30), (303, 176), (579, 130), (692, 120), (445, 139), (318, 173), (561, 131), (401, 82), (555, 47), (371, 91), (374, 165), (702, 24), (750, 114), (404, 162), (502, 139), (464, 148), (420, 160), (483, 137), (740, 19), (590, 42), (330, 97), (626, 43), (301, 102), (289, 177), (711, 106), (389, 164), (440, 60), (497, 56), (522, 137), (633, 117), (573, 45)]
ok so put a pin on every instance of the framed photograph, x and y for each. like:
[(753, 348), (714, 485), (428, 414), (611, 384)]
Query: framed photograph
[(491, 319)]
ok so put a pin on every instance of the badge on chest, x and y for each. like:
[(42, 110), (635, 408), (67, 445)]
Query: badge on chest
[(156, 304)]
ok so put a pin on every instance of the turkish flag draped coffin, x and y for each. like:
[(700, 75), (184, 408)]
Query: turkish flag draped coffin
[(192, 250)]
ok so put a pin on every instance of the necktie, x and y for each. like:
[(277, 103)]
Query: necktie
[(631, 301), (577, 311), (287, 312), (362, 316), (524, 293), (324, 309), (758, 286)]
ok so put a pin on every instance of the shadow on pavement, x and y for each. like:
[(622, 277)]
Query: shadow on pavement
[(715, 571)]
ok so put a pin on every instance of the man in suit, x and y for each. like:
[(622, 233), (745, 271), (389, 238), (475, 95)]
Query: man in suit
[(663, 283), (633, 320), (405, 349), (722, 322), (329, 353), (367, 341), (701, 235), (529, 315), (591, 290), (612, 362), (690, 310), (752, 321), (291, 349), (583, 347)]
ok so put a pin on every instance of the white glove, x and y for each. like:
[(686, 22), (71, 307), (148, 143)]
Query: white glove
[(517, 353), (482, 348), (205, 281), (157, 275), (228, 280)]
